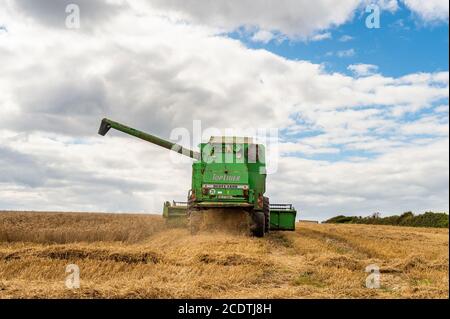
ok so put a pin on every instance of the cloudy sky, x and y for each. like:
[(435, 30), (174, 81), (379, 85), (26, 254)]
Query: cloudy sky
[(363, 113)]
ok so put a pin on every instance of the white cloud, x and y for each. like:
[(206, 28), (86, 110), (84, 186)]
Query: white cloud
[(294, 18), (427, 125), (263, 36), (345, 38), (288, 148), (385, 184), (346, 53), (430, 10), (156, 74), (52, 13), (362, 69), (52, 172), (321, 36), (388, 5), (442, 109)]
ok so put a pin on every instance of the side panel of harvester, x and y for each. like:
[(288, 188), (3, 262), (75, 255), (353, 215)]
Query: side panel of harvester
[(282, 217), (175, 213)]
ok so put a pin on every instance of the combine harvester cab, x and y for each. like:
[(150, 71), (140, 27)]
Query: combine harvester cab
[(228, 174), (282, 217)]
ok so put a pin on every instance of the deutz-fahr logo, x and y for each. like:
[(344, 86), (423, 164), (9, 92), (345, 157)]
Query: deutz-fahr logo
[(226, 178)]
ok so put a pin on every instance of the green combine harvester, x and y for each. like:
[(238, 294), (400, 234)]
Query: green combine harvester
[(228, 173)]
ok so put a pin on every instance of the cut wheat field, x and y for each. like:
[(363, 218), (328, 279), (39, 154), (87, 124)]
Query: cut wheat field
[(138, 256)]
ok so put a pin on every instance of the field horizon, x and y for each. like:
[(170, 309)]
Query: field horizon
[(139, 256)]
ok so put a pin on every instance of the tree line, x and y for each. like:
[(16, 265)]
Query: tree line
[(428, 219)]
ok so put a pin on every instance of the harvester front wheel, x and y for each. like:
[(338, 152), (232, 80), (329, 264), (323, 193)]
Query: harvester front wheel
[(258, 224)]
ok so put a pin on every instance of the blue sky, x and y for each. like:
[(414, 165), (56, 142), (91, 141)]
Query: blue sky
[(403, 44)]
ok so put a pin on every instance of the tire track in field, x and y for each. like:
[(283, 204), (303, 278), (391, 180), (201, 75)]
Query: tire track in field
[(338, 243)]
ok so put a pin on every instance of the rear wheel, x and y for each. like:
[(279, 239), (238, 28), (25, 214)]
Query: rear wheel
[(257, 228), (266, 211)]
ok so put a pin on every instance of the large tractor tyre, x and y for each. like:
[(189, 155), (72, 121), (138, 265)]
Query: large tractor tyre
[(195, 221), (266, 211), (257, 228)]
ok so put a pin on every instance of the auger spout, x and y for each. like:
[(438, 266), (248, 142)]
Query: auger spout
[(107, 124)]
